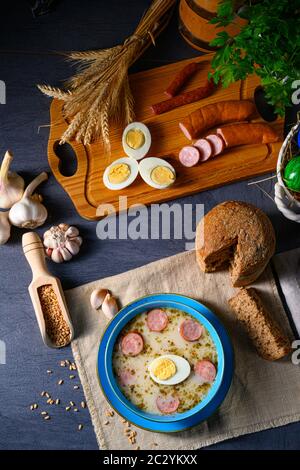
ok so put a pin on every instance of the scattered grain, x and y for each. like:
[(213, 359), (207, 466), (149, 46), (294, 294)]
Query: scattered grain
[(49, 372), (72, 377), (57, 401), (80, 427), (83, 404), (76, 387), (46, 417), (60, 382), (68, 408), (44, 413), (76, 410), (72, 403)]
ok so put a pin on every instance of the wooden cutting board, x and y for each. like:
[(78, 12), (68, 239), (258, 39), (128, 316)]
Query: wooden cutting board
[(86, 187)]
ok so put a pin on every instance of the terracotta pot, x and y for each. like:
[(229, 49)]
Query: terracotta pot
[(194, 26)]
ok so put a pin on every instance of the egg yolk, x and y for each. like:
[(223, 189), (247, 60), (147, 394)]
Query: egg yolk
[(162, 175), (119, 173), (164, 369), (135, 139)]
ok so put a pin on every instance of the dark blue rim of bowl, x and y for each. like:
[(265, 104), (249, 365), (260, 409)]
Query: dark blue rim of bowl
[(195, 309)]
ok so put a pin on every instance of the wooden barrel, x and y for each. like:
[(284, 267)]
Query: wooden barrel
[(194, 26)]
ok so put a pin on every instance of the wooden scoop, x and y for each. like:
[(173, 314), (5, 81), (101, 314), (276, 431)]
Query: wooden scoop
[(35, 254)]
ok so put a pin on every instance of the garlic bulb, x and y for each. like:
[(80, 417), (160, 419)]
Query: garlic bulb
[(110, 307), (4, 228), (29, 212), (11, 184), (62, 242), (97, 298)]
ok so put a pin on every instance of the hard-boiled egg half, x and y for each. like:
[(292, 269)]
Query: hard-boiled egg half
[(121, 173), (136, 140), (169, 369), (157, 173)]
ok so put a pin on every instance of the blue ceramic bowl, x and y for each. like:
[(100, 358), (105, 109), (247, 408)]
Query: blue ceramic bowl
[(178, 421)]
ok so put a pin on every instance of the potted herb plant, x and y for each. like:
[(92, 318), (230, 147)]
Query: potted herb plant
[(267, 45)]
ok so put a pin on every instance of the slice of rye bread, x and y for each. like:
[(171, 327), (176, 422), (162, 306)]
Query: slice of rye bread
[(237, 234), (267, 336)]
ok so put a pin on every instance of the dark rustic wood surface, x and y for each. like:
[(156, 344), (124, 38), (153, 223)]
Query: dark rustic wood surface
[(29, 54)]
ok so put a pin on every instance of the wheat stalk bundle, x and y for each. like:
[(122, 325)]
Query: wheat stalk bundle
[(99, 93)]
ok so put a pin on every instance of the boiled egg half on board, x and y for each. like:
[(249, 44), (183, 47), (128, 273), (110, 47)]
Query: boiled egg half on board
[(157, 173), (169, 369), (136, 140), (120, 173)]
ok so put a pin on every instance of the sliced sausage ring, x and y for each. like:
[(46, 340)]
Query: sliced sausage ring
[(157, 320), (206, 371), (167, 405), (132, 344), (190, 330)]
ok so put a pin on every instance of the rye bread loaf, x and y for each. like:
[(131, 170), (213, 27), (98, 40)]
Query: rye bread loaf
[(238, 235), (269, 340)]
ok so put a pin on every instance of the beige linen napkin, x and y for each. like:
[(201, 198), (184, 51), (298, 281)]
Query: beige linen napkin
[(263, 394)]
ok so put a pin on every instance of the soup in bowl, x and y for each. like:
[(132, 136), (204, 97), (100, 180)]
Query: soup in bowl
[(165, 362)]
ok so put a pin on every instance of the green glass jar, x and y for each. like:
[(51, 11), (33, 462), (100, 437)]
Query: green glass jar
[(291, 175)]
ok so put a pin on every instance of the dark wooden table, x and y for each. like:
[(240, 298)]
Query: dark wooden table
[(28, 55)]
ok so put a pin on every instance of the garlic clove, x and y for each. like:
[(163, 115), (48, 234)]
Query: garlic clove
[(110, 307), (77, 240), (72, 232), (11, 184), (64, 227), (49, 241), (97, 297), (72, 246), (5, 228), (56, 256), (47, 234), (49, 252), (65, 254)]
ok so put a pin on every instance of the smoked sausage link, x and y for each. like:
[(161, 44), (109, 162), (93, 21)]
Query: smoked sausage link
[(215, 114), (181, 78), (184, 98), (247, 134)]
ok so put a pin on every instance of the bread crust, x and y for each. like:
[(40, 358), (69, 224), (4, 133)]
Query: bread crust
[(268, 338), (236, 234)]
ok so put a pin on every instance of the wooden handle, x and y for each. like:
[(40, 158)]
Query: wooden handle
[(35, 254), (74, 185)]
